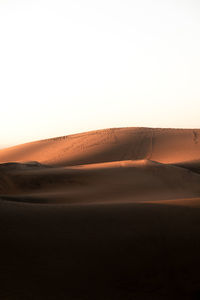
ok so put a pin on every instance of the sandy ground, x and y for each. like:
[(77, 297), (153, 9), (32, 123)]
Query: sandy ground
[(118, 144), (111, 214)]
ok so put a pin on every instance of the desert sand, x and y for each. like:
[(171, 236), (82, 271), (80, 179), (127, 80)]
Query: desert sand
[(107, 214)]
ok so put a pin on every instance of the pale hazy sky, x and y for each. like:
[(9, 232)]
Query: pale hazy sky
[(69, 66)]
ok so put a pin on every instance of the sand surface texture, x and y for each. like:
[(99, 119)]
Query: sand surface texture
[(108, 214)]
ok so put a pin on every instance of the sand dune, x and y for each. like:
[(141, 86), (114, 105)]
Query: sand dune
[(124, 181), (127, 164), (109, 214), (162, 145)]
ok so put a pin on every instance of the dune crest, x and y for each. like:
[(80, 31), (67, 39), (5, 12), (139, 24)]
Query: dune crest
[(117, 144), (112, 211), (113, 165)]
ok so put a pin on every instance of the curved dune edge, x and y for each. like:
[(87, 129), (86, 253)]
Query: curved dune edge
[(116, 144), (110, 166), (46, 200), (108, 215), (111, 182)]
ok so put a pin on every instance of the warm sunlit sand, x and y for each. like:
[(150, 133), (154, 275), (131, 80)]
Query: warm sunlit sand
[(108, 214), (117, 144)]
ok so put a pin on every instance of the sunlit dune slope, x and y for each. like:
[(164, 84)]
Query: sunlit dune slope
[(124, 181), (117, 144)]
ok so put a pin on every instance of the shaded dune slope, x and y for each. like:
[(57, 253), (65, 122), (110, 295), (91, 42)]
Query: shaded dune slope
[(127, 164), (142, 242), (126, 181)]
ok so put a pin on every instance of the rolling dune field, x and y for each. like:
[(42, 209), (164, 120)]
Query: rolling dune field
[(107, 214)]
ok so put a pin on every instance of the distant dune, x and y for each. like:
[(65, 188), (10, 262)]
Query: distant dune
[(111, 214), (127, 164), (161, 145)]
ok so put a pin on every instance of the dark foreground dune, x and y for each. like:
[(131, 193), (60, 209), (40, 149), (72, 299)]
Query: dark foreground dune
[(121, 251), (111, 214)]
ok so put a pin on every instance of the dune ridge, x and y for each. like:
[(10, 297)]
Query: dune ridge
[(113, 165), (116, 144), (110, 214)]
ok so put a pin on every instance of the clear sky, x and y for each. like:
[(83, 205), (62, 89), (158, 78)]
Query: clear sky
[(69, 66)]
